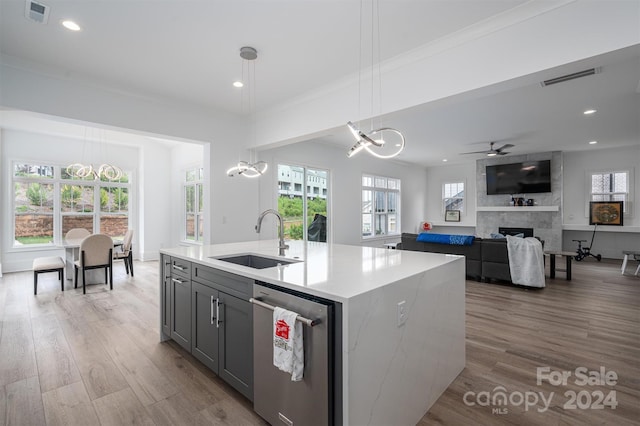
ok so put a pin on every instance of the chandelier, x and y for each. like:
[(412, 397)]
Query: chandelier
[(252, 168), (246, 169), (104, 171), (383, 142)]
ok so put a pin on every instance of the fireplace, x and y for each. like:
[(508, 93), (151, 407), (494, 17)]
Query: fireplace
[(528, 232)]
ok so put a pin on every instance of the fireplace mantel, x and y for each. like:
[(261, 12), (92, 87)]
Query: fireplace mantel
[(519, 209)]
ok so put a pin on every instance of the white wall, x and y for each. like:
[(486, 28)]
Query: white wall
[(345, 188), (577, 166), (436, 176), (609, 241)]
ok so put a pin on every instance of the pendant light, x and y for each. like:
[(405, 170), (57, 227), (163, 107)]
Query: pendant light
[(104, 171), (383, 142), (251, 168)]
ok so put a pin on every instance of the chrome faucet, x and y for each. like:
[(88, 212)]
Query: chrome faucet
[(282, 247)]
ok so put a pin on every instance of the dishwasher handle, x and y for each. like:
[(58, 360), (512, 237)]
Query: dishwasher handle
[(305, 321)]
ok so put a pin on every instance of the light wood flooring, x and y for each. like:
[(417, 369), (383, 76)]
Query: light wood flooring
[(95, 359)]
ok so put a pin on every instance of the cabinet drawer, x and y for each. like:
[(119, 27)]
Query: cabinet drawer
[(181, 268), (233, 284)]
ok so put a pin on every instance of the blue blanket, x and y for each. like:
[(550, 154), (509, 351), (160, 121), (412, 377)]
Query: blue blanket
[(459, 240)]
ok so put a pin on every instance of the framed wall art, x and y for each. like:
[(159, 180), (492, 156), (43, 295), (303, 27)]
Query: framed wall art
[(606, 213), (452, 216)]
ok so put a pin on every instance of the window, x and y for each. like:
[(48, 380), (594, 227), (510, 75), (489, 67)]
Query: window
[(453, 196), (610, 186), (303, 210), (380, 206), (193, 202), (48, 202)]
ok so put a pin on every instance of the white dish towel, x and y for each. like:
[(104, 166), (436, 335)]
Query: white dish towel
[(288, 346)]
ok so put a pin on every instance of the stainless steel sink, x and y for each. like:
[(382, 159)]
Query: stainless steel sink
[(255, 261)]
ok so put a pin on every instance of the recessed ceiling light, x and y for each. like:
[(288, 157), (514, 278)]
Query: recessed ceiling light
[(70, 25), (593, 142), (589, 112), (238, 84), (444, 160)]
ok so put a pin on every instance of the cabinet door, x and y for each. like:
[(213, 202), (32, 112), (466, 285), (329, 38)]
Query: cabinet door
[(181, 311), (165, 295), (236, 343), (204, 325)]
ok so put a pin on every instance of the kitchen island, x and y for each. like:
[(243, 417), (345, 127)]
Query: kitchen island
[(401, 325)]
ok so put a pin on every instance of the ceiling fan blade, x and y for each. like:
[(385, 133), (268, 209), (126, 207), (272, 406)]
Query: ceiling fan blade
[(474, 152), (505, 146), (502, 153)]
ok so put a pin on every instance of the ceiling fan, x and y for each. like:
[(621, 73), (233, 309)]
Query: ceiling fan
[(493, 151)]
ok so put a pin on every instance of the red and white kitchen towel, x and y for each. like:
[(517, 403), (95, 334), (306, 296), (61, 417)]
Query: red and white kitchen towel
[(288, 347)]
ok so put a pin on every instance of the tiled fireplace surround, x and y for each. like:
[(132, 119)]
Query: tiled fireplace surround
[(547, 225)]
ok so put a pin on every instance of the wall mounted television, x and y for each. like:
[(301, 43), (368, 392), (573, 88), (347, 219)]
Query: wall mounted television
[(528, 177)]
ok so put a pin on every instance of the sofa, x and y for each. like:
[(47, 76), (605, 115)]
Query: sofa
[(485, 258), (495, 260), (472, 253)]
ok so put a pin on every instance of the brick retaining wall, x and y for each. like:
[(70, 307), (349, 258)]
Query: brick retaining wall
[(29, 225)]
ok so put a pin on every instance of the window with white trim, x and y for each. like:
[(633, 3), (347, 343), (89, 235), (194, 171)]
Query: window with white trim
[(610, 186), (453, 196), (380, 206), (48, 202), (193, 223)]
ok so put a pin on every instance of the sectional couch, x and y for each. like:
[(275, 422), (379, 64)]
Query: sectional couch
[(485, 258)]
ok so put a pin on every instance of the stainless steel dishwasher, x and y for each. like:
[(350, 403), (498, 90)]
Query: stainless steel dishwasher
[(311, 401)]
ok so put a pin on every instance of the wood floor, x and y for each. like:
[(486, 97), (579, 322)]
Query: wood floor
[(69, 359)]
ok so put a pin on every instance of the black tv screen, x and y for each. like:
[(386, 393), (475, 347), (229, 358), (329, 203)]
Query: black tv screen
[(528, 177)]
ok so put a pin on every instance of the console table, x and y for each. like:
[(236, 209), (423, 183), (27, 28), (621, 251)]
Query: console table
[(568, 255)]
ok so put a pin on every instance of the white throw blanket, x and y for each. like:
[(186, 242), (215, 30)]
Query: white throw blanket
[(526, 261), (288, 346)]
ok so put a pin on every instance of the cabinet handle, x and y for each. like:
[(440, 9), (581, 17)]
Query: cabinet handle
[(218, 303), (175, 280), (213, 317), (179, 268)]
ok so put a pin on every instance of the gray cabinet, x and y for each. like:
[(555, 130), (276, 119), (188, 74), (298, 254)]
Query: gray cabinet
[(222, 333), (205, 324), (165, 295), (236, 344), (208, 313), (180, 306)]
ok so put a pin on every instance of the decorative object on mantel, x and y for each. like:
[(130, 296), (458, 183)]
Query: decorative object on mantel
[(383, 142), (251, 168), (452, 216)]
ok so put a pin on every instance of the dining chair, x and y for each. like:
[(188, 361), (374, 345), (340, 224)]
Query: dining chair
[(126, 252), (76, 234), (96, 252)]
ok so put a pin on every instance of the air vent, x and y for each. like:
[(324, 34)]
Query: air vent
[(36, 12), (568, 77)]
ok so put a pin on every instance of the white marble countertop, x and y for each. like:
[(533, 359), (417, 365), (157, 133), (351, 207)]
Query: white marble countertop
[(333, 271)]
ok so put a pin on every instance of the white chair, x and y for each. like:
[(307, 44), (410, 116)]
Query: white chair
[(126, 254), (634, 255), (96, 252), (76, 234)]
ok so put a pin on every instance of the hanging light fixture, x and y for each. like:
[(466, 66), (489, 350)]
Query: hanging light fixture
[(383, 142), (251, 168), (103, 171)]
